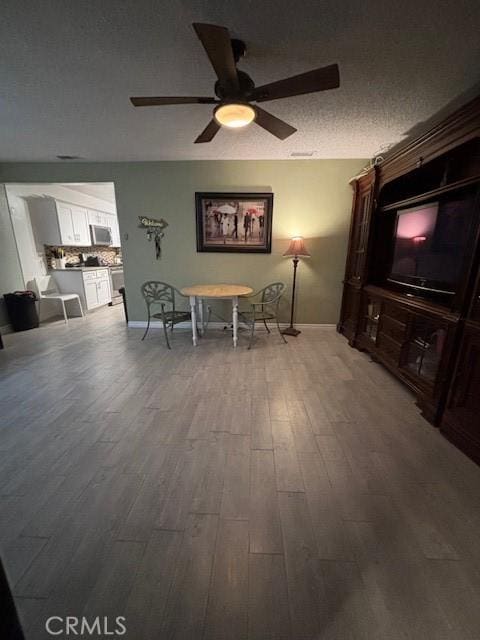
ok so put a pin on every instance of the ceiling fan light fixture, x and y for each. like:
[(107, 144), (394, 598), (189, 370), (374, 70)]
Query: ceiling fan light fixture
[(234, 115)]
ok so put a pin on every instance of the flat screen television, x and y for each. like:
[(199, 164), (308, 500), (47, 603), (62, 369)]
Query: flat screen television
[(430, 242)]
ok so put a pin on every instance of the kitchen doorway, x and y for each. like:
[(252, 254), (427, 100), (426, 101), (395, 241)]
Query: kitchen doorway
[(67, 235)]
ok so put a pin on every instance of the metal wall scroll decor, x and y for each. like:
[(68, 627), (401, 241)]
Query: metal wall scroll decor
[(155, 229)]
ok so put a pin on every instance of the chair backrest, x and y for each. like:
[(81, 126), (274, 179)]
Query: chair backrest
[(45, 285), (272, 292), (155, 292)]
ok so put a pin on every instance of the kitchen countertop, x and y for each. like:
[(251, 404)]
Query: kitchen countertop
[(110, 266)]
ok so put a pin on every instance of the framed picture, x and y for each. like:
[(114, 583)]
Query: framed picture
[(234, 222)]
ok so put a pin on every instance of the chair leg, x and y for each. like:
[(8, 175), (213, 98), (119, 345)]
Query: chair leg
[(148, 326), (209, 313), (252, 331), (165, 330), (80, 307), (266, 325), (64, 311), (279, 330)]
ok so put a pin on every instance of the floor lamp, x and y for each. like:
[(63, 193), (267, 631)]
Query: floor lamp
[(296, 250)]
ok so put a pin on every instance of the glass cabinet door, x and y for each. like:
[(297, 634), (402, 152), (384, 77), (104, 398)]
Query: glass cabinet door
[(475, 310), (424, 349), (360, 237), (371, 317)]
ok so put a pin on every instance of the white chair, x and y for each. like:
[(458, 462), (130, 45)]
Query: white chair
[(46, 289)]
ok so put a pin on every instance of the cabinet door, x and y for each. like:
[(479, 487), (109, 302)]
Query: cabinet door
[(65, 224), (423, 350), (103, 291), (461, 419), (94, 217), (107, 220), (115, 232), (91, 294), (475, 307), (81, 231), (360, 229), (349, 312), (370, 317)]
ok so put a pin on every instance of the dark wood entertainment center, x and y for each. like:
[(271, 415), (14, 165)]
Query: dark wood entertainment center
[(432, 345)]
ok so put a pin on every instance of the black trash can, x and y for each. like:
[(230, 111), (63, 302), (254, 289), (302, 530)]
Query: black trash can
[(22, 310)]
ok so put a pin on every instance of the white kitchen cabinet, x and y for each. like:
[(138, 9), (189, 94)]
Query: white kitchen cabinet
[(104, 219), (104, 295), (92, 285), (65, 224), (112, 221), (81, 230), (117, 242), (97, 288), (59, 223), (91, 294), (97, 218)]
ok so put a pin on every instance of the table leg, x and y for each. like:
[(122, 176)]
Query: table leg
[(200, 309), (193, 314), (235, 319)]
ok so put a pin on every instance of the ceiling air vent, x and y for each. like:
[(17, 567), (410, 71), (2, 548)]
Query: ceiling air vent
[(302, 154)]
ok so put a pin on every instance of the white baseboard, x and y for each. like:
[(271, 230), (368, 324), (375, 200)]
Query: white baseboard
[(157, 324), (312, 326)]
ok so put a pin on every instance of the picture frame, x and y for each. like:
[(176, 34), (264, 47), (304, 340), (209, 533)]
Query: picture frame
[(234, 222)]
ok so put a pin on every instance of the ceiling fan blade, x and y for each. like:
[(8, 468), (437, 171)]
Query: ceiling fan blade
[(309, 82), (209, 132), (216, 42), (272, 124), (157, 101)]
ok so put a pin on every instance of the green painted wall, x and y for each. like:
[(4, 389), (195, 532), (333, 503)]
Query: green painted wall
[(11, 278), (311, 198)]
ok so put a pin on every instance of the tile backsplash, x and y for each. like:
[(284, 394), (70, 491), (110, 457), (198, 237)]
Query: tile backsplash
[(106, 255)]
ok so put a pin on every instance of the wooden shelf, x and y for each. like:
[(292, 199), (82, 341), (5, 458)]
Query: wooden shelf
[(414, 303), (454, 186)]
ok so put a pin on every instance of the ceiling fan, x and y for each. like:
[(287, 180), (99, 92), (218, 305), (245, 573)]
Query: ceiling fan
[(235, 90)]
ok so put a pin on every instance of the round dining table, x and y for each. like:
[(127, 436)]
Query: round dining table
[(200, 292)]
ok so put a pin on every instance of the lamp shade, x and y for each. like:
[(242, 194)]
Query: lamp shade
[(297, 248)]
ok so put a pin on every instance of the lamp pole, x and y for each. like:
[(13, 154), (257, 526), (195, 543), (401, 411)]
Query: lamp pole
[(296, 250), (291, 331)]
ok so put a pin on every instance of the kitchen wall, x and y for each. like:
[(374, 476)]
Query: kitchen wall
[(106, 255), (32, 254), (30, 257), (311, 198), (11, 277)]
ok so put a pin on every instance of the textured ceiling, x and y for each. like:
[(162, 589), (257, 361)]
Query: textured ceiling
[(69, 67)]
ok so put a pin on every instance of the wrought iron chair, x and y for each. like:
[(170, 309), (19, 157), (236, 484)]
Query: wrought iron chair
[(163, 294), (266, 308)]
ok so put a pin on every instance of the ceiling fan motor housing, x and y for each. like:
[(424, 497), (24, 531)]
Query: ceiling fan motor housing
[(245, 88)]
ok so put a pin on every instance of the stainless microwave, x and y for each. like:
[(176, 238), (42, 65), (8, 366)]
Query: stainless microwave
[(101, 235)]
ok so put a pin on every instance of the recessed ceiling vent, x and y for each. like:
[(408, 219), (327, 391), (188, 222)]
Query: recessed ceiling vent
[(69, 157), (302, 154)]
